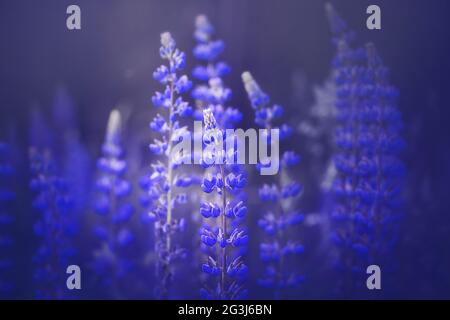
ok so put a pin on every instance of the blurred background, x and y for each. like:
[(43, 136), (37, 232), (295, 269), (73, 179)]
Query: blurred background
[(75, 78)]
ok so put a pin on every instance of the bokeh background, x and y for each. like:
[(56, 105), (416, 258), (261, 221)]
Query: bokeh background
[(287, 46)]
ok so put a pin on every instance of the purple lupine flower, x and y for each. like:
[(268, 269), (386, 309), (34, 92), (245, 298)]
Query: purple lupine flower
[(112, 204), (223, 211), (164, 184), (55, 228), (210, 91), (7, 219), (349, 72), (208, 50), (279, 249), (367, 187), (224, 240)]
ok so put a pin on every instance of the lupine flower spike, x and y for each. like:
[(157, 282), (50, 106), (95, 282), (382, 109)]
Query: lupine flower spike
[(226, 268), (223, 210), (164, 184), (56, 226), (367, 186), (112, 260), (211, 92), (279, 250), (348, 70)]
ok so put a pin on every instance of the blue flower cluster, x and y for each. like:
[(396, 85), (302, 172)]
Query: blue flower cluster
[(223, 235), (225, 211), (163, 185), (7, 219), (367, 187), (211, 92), (112, 261), (265, 116), (279, 249), (56, 226)]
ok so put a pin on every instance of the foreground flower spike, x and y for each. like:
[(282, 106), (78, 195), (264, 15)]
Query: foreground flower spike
[(112, 261), (55, 228), (224, 209), (164, 185), (211, 91), (367, 187), (7, 220), (280, 248)]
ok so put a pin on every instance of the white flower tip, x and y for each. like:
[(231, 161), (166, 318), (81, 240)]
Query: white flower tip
[(208, 117), (247, 77), (201, 20), (166, 39), (207, 114), (114, 126), (250, 85)]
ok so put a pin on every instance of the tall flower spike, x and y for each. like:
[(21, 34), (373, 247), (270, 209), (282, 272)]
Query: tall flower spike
[(7, 219), (224, 211), (57, 225), (210, 92), (381, 146), (163, 185), (55, 228), (279, 249), (367, 187), (349, 73), (113, 260)]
